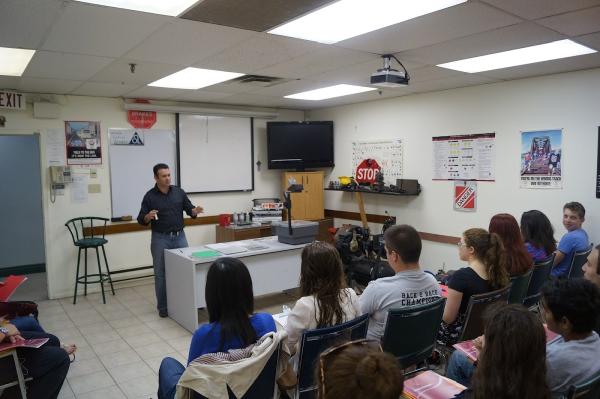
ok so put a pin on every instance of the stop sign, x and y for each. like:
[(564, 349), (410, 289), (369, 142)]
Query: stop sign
[(367, 170)]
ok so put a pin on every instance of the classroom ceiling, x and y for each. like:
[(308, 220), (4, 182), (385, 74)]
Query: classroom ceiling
[(83, 49)]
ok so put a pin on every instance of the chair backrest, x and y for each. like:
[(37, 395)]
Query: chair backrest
[(579, 258), (264, 385), (473, 326), (410, 333), (316, 341), (587, 390), (518, 287), (539, 275), (86, 227)]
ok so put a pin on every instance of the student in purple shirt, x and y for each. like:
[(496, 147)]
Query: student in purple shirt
[(576, 239), (538, 235)]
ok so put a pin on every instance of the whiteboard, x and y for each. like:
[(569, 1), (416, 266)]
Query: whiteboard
[(389, 155), (131, 161), (216, 153)]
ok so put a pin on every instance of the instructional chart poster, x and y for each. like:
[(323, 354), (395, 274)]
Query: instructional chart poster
[(464, 157), (83, 143), (388, 155), (541, 159)]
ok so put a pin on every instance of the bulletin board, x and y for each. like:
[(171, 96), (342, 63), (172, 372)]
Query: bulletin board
[(388, 154)]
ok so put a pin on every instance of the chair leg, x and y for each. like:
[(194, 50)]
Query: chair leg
[(85, 275), (100, 275), (77, 276), (108, 271)]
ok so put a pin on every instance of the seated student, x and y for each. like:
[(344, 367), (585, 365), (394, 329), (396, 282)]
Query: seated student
[(355, 371), (571, 308), (576, 239), (538, 235), (47, 365), (512, 360), (232, 321), (484, 254), (591, 268), (518, 261), (410, 285), (325, 299)]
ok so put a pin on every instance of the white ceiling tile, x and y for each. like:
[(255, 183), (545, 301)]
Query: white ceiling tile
[(431, 73), (259, 52), (450, 23), (533, 9), (592, 40), (103, 89), (9, 82), (451, 82), (145, 72), (261, 101), (546, 68), (292, 87), (150, 92), (105, 31), (55, 86), (574, 23), (51, 65), (185, 42), (508, 38), (316, 62), (24, 23), (202, 95)]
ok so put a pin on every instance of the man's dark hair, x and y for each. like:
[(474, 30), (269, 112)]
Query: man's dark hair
[(405, 241), (158, 167), (575, 207), (576, 299)]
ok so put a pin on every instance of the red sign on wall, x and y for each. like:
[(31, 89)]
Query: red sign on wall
[(367, 170), (141, 119)]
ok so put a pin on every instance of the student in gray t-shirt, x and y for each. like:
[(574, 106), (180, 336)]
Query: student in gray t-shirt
[(410, 286), (571, 308)]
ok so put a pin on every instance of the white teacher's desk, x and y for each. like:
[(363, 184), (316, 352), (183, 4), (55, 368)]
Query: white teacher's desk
[(274, 267)]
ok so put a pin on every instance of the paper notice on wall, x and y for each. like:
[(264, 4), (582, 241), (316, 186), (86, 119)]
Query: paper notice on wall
[(79, 188), (464, 157), (388, 154), (465, 196), (55, 148), (541, 159)]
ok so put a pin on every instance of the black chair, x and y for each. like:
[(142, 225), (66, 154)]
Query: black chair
[(587, 390), (579, 259), (518, 287), (314, 342), (410, 333), (539, 275), (264, 385), (473, 326), (85, 235)]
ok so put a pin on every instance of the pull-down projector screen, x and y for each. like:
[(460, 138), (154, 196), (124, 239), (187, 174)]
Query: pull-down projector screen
[(216, 153)]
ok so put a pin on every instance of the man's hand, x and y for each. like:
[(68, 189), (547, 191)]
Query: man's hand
[(152, 215), (479, 342), (197, 210), (13, 333)]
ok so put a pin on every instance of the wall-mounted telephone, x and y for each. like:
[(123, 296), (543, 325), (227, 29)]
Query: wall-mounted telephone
[(60, 174)]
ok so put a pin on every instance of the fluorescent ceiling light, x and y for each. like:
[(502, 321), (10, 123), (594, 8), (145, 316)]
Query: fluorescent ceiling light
[(13, 61), (348, 18), (329, 92), (194, 78), (164, 7), (522, 56)]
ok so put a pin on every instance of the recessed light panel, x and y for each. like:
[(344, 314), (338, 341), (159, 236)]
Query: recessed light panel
[(163, 7), (194, 78), (329, 92), (13, 61)]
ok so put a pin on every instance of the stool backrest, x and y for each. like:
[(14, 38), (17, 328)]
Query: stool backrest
[(539, 275), (519, 286), (588, 390), (579, 258), (473, 326), (86, 227)]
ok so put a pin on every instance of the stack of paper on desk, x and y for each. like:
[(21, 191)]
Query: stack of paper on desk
[(227, 249)]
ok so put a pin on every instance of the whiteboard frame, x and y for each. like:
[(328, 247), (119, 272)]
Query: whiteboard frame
[(177, 144)]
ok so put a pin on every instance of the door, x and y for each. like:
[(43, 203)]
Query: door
[(22, 228), (314, 193)]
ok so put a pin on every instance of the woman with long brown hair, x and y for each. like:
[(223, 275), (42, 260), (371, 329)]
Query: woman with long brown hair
[(325, 299), (518, 260), (486, 271)]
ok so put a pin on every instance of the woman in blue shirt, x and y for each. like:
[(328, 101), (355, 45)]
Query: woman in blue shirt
[(232, 321), (538, 235)]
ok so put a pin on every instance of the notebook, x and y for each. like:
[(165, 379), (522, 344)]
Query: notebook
[(27, 343), (227, 249), (429, 385), (9, 286)]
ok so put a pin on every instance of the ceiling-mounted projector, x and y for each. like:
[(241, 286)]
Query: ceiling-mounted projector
[(388, 77)]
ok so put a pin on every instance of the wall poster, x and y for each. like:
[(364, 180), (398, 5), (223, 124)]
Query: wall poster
[(465, 196), (388, 155), (541, 159), (464, 157), (83, 143)]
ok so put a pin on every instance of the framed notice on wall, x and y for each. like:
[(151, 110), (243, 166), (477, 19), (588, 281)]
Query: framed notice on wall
[(464, 157), (83, 143), (541, 159)]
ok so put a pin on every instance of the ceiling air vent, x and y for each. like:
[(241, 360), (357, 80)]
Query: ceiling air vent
[(257, 80)]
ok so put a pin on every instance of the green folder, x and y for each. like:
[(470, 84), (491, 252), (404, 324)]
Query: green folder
[(209, 253)]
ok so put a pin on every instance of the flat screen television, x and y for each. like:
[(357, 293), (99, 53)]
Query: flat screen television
[(300, 145)]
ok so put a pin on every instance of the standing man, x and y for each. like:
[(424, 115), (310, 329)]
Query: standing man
[(576, 239), (163, 207)]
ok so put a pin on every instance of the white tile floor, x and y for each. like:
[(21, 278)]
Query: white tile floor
[(121, 343)]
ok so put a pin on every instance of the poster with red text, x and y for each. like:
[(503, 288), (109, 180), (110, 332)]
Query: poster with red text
[(465, 196), (83, 143)]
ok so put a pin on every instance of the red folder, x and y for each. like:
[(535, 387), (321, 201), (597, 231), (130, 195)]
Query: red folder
[(444, 290), (9, 285), (429, 385), (26, 343)]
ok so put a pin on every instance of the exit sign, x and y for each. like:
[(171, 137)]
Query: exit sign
[(12, 100)]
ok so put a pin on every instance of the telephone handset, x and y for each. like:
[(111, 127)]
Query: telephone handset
[(60, 174)]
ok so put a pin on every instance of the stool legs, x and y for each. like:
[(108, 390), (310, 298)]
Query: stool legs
[(100, 275), (77, 276), (108, 271), (85, 275)]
